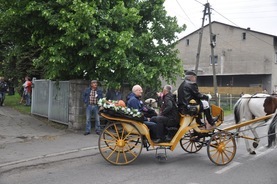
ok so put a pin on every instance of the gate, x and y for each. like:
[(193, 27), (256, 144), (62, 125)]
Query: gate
[(51, 99)]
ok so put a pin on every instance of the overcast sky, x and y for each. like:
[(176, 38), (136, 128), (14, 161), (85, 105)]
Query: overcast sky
[(259, 15)]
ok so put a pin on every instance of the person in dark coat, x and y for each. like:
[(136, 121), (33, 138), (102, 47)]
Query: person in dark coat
[(3, 90), (114, 94), (188, 90), (168, 116)]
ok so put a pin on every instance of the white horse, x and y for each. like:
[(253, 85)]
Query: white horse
[(152, 102), (247, 108)]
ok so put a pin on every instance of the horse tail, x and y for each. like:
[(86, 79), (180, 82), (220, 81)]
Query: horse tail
[(237, 107), (271, 132)]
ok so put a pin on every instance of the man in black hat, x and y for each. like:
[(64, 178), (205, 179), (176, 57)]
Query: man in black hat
[(188, 90)]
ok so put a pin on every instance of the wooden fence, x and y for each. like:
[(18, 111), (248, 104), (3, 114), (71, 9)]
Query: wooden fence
[(232, 90)]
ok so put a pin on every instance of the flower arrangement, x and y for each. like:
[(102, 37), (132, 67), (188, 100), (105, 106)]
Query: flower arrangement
[(113, 105)]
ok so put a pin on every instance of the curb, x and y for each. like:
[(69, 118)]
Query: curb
[(49, 158)]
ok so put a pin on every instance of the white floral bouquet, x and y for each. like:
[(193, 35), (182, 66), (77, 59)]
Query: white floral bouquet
[(113, 106)]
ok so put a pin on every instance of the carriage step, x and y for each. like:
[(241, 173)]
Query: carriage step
[(161, 156)]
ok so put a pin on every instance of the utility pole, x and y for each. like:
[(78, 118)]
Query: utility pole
[(212, 44), (200, 40)]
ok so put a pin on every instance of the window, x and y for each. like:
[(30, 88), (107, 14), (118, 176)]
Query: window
[(244, 36), (187, 41), (215, 60), (276, 57)]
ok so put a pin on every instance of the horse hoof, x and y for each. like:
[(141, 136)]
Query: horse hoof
[(255, 144), (252, 152)]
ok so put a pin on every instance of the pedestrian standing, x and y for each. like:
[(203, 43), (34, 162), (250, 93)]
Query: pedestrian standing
[(3, 90), (90, 97), (27, 90)]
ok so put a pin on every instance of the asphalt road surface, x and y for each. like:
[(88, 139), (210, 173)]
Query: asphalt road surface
[(180, 167)]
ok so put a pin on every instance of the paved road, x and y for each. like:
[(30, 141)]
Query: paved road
[(24, 138), (33, 152)]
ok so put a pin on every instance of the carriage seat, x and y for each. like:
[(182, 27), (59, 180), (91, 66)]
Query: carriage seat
[(192, 109)]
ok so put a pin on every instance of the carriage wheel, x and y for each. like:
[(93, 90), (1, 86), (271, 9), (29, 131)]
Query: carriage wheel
[(191, 143), (221, 148), (120, 143)]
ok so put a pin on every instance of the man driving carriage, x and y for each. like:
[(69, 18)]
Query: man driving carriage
[(187, 91)]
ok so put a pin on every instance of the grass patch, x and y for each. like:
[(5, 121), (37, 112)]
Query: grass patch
[(228, 112), (13, 102)]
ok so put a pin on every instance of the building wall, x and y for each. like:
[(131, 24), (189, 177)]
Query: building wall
[(254, 55)]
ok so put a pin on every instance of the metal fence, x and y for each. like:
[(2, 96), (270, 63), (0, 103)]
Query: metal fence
[(227, 101), (51, 99)]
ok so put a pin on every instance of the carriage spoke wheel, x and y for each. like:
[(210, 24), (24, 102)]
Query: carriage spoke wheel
[(191, 143), (120, 143), (221, 148)]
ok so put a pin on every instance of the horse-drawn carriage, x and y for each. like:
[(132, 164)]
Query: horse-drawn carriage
[(123, 138)]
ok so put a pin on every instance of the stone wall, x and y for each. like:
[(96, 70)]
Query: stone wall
[(76, 106), (77, 109)]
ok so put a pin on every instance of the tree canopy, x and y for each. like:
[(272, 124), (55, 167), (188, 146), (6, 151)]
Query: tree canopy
[(117, 41)]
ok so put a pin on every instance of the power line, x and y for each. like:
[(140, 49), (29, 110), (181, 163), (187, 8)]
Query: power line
[(199, 2), (185, 13), (190, 15), (240, 27), (248, 6), (249, 12), (251, 54)]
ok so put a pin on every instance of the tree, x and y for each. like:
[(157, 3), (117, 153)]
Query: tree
[(116, 41), (16, 54)]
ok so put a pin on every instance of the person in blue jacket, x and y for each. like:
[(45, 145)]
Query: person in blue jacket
[(91, 96), (134, 102)]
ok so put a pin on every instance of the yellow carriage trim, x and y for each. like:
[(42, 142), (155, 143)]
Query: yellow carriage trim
[(217, 111), (242, 124), (142, 128)]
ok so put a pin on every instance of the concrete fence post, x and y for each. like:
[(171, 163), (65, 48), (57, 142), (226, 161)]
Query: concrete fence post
[(77, 109)]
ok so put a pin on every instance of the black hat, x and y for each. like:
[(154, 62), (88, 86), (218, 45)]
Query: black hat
[(190, 72)]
